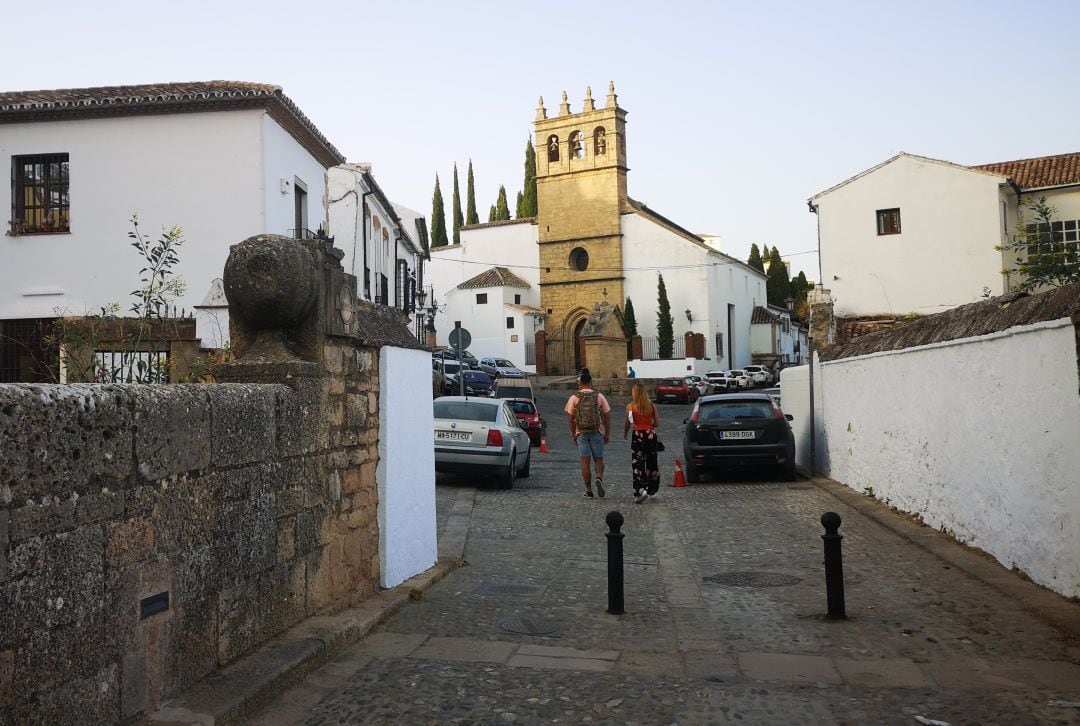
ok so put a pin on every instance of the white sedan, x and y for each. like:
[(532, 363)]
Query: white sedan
[(744, 379), (480, 436)]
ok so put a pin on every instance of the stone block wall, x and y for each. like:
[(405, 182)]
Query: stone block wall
[(152, 534)]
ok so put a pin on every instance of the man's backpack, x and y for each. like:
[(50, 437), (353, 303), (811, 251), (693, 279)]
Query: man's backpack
[(587, 413)]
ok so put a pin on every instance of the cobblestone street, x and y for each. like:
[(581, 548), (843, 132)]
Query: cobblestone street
[(725, 614)]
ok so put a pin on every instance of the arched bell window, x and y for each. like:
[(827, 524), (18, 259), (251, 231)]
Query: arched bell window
[(577, 146), (599, 138), (553, 148)]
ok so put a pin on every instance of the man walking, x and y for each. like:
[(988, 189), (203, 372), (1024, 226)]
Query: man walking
[(588, 412)]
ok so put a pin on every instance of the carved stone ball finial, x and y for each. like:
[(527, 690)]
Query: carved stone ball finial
[(272, 285)]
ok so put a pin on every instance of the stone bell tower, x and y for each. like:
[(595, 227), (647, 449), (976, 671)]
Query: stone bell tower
[(580, 193)]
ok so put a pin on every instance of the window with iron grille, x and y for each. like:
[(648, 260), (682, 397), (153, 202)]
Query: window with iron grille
[(40, 203), (888, 221)]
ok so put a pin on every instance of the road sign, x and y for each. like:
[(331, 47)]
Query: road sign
[(460, 338)]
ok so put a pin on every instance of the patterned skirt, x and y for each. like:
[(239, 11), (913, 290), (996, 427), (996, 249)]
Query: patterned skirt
[(643, 461)]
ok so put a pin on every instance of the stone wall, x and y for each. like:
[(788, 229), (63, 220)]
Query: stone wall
[(151, 534)]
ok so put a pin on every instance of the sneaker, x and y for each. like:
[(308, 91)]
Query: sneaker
[(639, 496), (600, 487)]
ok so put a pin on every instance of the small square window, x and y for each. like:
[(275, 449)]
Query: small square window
[(481, 298), (888, 221), (509, 323)]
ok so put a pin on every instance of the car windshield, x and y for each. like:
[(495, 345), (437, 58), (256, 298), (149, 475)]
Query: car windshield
[(451, 367), (522, 407), (466, 410), (673, 382), (503, 363), (514, 392), (477, 377), (735, 410)]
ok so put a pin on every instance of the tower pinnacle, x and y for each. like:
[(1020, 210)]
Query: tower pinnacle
[(564, 107), (541, 112), (588, 105), (612, 99)]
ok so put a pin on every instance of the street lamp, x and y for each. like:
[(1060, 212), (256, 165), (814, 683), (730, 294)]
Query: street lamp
[(689, 315)]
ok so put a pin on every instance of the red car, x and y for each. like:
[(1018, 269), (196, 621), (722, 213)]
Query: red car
[(529, 418), (675, 390)]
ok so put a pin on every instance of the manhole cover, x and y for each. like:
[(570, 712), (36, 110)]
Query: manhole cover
[(752, 579), (492, 588), (528, 626)]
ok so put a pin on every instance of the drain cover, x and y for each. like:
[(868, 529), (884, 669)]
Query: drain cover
[(528, 626), (492, 588), (752, 579)]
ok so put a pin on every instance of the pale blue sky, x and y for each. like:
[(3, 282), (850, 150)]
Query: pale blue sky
[(738, 112)]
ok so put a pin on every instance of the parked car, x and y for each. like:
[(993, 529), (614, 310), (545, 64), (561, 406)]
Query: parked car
[(500, 368), (529, 418), (744, 379), (444, 374), (675, 390), (480, 436), (702, 386), (761, 374), (514, 388), (477, 383), (719, 381), (451, 354), (738, 429), (774, 394)]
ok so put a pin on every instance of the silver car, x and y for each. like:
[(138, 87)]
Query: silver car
[(480, 436), (500, 368)]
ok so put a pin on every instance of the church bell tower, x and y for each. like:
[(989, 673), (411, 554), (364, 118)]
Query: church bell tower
[(580, 193)]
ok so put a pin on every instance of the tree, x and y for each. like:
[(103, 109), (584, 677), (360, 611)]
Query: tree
[(458, 218), (629, 319), (777, 282), (755, 258), (470, 199), (502, 210), (665, 329), (491, 214), (528, 195), (1043, 258), (519, 209), (438, 218), (799, 287)]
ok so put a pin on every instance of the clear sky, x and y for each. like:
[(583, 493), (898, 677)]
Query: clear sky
[(738, 112)]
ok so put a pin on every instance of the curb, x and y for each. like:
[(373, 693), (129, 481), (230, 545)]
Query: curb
[(1045, 604), (236, 692)]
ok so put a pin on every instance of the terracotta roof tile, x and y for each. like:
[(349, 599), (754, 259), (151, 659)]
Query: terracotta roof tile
[(495, 277), (1043, 171), (762, 315), (64, 103)]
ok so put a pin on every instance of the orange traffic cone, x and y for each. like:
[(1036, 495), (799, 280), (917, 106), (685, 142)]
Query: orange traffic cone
[(543, 444), (680, 480)]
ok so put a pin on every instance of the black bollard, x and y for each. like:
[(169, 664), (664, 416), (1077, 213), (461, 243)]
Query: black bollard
[(834, 566), (614, 563)]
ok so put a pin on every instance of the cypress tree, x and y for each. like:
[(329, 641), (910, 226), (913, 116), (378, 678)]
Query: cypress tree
[(458, 219), (665, 329), (502, 209), (528, 206), (777, 282), (520, 210), (755, 260), (629, 319), (799, 287), (438, 218), (491, 214), (470, 199)]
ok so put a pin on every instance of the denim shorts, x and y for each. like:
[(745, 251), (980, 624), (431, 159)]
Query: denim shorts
[(591, 444)]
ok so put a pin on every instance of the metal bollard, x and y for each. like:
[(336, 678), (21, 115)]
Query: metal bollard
[(834, 566), (615, 563)]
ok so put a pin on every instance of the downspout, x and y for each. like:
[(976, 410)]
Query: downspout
[(397, 271), (363, 234), (813, 432), (814, 211)]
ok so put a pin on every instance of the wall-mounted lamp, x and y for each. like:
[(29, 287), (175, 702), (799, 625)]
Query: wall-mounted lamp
[(689, 315)]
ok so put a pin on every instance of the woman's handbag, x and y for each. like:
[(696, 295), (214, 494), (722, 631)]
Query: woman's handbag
[(659, 445)]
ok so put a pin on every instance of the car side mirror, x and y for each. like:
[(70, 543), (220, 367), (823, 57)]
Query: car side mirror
[(789, 417)]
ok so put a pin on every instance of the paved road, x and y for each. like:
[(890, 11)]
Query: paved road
[(924, 639)]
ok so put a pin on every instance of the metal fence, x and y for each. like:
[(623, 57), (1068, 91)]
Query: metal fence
[(530, 352), (124, 366), (650, 348)]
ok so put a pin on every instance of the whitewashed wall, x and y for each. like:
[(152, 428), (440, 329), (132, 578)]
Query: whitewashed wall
[(950, 220), (795, 400), (673, 368), (405, 475), (285, 158), (952, 433)]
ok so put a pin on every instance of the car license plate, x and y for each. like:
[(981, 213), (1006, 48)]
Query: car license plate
[(453, 435), (669, 395), (737, 434)]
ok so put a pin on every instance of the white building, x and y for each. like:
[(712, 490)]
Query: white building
[(384, 246), (919, 235), (223, 160), (776, 339), (499, 310)]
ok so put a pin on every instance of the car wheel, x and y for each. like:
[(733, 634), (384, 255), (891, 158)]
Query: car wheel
[(505, 478), (693, 473), (524, 473)]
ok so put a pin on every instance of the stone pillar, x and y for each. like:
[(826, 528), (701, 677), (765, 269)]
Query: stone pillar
[(541, 353)]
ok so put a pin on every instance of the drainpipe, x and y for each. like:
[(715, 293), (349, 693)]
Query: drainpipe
[(363, 234), (397, 271), (813, 432)]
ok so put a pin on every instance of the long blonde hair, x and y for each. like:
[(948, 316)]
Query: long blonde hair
[(640, 403)]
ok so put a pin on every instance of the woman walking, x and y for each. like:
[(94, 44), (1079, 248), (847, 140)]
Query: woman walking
[(644, 418)]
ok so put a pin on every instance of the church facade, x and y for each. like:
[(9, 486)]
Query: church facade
[(591, 247)]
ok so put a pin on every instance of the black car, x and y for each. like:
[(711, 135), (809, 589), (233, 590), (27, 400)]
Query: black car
[(735, 430), (477, 383), (466, 357)]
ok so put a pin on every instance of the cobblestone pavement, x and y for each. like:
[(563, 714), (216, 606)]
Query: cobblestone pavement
[(924, 639)]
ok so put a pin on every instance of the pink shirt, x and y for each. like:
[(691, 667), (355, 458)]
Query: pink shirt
[(601, 402)]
